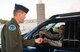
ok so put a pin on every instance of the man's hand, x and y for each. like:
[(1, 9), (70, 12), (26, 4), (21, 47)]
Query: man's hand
[(38, 40), (42, 33), (45, 40)]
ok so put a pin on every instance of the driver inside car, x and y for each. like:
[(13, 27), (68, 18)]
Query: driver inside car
[(54, 39)]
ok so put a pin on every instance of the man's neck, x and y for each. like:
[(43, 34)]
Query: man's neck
[(16, 20)]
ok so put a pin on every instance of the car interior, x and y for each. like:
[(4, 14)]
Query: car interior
[(71, 38)]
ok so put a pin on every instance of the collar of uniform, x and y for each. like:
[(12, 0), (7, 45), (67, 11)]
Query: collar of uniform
[(14, 21)]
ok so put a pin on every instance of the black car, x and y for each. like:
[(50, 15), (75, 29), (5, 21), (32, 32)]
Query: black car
[(71, 39)]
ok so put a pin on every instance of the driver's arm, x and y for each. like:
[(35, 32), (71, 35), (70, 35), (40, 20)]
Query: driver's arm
[(53, 36), (49, 35), (53, 42)]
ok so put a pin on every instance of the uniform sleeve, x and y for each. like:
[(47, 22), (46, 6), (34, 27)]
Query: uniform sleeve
[(2, 41), (29, 42), (7, 38), (52, 36), (54, 43)]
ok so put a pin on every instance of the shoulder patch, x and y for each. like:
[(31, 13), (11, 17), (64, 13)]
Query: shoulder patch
[(12, 27)]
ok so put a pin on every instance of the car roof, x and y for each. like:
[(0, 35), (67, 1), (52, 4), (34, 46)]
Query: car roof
[(66, 15)]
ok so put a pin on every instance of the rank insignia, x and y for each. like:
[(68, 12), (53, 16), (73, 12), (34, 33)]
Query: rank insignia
[(12, 27)]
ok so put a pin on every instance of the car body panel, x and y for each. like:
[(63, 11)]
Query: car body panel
[(68, 17)]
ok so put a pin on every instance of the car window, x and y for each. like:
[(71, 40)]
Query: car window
[(51, 28)]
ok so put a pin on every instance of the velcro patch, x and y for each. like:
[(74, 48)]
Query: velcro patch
[(12, 27)]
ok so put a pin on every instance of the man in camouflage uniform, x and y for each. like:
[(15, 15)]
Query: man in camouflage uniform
[(54, 39), (11, 39)]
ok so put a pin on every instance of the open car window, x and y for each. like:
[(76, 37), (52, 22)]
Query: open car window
[(50, 29), (53, 26)]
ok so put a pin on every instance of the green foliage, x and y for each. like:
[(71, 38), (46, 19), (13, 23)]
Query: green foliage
[(3, 21)]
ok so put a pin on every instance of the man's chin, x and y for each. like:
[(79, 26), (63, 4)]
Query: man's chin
[(22, 22)]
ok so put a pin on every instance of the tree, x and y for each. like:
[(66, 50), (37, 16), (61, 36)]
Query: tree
[(3, 21)]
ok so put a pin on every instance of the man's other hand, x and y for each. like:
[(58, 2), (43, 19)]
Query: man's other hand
[(38, 40)]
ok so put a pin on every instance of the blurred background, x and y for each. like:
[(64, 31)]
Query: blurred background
[(49, 8)]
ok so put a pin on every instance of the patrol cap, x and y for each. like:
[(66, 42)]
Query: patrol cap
[(21, 7)]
